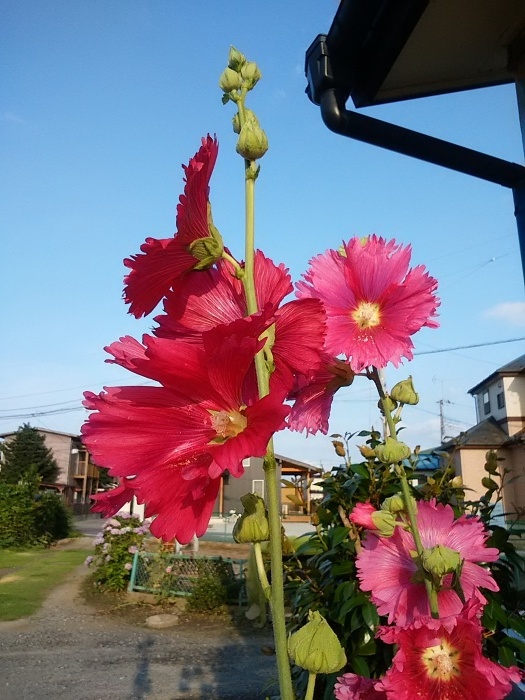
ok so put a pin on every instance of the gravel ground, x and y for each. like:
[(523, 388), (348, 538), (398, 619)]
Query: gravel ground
[(69, 651)]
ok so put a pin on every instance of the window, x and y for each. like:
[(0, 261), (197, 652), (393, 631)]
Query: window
[(486, 402), (500, 398), (258, 487)]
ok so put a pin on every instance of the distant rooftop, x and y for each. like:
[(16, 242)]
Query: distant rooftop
[(511, 369)]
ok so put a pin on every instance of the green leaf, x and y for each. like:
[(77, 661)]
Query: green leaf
[(342, 568), (506, 656), (360, 666), (337, 535)]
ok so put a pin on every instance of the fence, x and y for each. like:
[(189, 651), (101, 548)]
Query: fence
[(176, 575)]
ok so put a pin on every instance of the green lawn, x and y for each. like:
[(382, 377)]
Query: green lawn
[(27, 577)]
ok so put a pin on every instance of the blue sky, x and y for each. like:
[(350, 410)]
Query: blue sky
[(101, 103)]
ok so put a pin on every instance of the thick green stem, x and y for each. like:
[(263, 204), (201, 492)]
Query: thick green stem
[(311, 685), (272, 499), (407, 497)]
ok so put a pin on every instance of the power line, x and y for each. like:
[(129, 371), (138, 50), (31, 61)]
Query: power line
[(466, 347)]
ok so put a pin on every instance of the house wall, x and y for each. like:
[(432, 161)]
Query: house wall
[(470, 464), (234, 488), (61, 446), (515, 400)]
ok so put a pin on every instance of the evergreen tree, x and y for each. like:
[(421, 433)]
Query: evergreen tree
[(27, 453)]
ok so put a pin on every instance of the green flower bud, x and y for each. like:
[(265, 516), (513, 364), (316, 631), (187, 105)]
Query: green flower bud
[(440, 560), (230, 80), (252, 142), (207, 251), (392, 451), (315, 646), (394, 504), (404, 392), (384, 522), (236, 59), (253, 525), (250, 75), (387, 403), (248, 114)]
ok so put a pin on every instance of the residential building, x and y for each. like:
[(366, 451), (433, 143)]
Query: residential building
[(500, 412), (79, 476)]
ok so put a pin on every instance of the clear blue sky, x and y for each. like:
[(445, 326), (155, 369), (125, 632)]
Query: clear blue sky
[(101, 103)]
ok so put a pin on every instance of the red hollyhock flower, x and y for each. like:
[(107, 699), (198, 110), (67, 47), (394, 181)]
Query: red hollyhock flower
[(314, 395), (162, 261), (374, 303), (444, 664), (204, 300), (178, 438), (110, 502)]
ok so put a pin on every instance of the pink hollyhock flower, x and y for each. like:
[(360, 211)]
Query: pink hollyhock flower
[(362, 515), (445, 664), (388, 570), (162, 261), (352, 687), (314, 395), (204, 300), (374, 303), (178, 438)]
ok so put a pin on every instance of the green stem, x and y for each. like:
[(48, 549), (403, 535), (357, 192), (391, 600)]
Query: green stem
[(272, 499), (407, 497), (311, 685), (261, 570)]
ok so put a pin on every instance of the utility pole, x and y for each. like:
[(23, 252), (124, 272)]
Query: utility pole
[(441, 403)]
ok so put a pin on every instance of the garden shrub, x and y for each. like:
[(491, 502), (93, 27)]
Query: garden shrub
[(115, 547), (209, 594), (53, 520), (17, 515)]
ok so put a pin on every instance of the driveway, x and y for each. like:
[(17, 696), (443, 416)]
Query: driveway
[(68, 651)]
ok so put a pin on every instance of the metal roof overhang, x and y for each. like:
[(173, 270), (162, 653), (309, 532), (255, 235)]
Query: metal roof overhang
[(384, 50)]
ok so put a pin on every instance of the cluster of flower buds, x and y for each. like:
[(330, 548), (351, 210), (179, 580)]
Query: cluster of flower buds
[(238, 78)]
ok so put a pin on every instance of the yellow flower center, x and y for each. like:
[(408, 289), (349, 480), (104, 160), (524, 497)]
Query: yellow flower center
[(367, 315), (227, 425), (441, 662)]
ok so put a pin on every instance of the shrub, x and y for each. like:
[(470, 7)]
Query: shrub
[(17, 515), (52, 518), (209, 594), (115, 547)]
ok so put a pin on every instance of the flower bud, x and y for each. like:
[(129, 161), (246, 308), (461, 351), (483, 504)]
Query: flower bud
[(315, 646), (394, 504), (392, 451), (236, 59), (236, 120), (339, 448), (207, 251), (384, 523), (440, 560), (230, 80), (387, 403), (457, 482), (367, 452), (253, 525), (250, 74), (252, 142), (404, 392)]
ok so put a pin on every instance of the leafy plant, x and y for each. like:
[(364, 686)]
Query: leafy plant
[(322, 576), (209, 594)]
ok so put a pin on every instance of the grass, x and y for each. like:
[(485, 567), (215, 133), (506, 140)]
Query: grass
[(27, 577)]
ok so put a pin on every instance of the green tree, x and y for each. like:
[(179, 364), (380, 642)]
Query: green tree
[(27, 453)]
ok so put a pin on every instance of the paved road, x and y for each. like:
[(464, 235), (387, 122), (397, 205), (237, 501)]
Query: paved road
[(68, 651)]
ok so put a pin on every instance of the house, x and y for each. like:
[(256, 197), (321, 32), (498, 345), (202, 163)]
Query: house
[(500, 412), (78, 477)]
